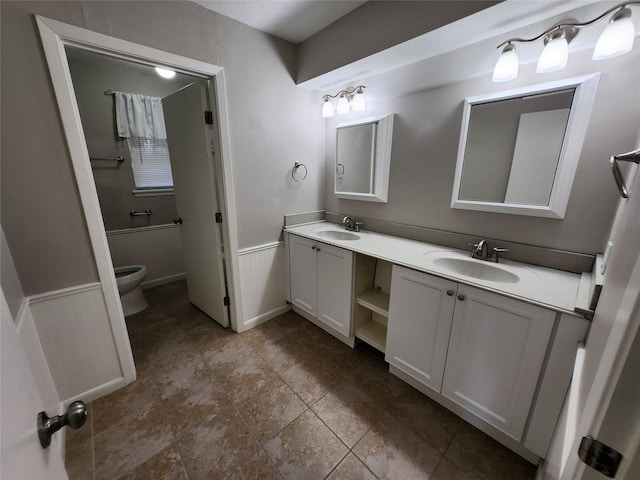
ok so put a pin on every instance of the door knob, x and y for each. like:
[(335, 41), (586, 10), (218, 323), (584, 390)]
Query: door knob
[(74, 418), (177, 221)]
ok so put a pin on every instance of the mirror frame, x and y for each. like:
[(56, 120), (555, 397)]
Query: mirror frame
[(384, 135), (585, 88)]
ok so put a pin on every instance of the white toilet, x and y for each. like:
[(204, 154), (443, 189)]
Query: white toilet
[(129, 279)]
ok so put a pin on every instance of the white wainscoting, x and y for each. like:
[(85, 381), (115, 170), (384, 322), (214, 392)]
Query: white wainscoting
[(263, 283), (159, 248), (72, 329)]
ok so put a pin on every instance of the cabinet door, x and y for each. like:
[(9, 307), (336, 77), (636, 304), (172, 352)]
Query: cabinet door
[(420, 313), (303, 273), (335, 267), (495, 356)]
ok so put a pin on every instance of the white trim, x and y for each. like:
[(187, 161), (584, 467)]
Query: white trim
[(263, 317), (55, 35), (97, 392), (585, 89), (163, 280), (259, 248), (152, 192), (64, 292), (129, 231), (382, 161)]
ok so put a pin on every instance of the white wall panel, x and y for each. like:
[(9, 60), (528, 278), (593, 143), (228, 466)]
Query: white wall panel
[(76, 338), (263, 279)]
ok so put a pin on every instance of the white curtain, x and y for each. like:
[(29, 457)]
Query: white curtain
[(139, 116)]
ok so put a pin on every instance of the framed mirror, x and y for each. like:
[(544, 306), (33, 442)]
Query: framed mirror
[(519, 149), (363, 158)]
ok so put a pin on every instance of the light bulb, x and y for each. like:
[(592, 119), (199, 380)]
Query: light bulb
[(343, 104), (507, 65), (327, 108), (359, 102), (617, 38), (554, 56), (165, 72)]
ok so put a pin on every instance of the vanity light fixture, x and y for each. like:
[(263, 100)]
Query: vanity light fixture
[(616, 39), (348, 100), (165, 72)]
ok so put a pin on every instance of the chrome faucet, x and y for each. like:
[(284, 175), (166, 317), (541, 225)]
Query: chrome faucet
[(352, 224), (481, 252)]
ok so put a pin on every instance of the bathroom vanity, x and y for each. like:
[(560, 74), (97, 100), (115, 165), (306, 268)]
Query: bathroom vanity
[(493, 342)]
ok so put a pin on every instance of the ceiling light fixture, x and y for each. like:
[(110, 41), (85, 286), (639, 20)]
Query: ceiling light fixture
[(616, 39), (348, 100), (165, 72)]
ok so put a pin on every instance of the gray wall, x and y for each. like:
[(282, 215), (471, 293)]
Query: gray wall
[(425, 144), (271, 122), (92, 74), (374, 27)]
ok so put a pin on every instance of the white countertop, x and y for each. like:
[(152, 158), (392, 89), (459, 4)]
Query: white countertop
[(542, 286)]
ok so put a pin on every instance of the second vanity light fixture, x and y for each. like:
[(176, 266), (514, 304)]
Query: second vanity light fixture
[(616, 39), (348, 100)]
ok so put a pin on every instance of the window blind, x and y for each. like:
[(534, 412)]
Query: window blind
[(150, 162)]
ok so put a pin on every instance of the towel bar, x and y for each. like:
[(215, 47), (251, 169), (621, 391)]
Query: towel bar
[(617, 174), (133, 213)]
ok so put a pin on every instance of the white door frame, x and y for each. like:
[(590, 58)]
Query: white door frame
[(55, 35)]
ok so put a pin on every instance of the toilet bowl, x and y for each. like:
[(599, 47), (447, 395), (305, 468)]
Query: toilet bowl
[(129, 279)]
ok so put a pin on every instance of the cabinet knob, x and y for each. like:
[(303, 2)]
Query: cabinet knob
[(313, 248), (318, 248), (450, 293), (461, 297)]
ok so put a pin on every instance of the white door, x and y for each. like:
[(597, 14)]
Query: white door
[(191, 149), (303, 262), (335, 273), (420, 315), (22, 457), (610, 412), (495, 356)]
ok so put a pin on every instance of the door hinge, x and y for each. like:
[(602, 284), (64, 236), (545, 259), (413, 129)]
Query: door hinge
[(227, 301), (218, 217), (599, 456), (208, 117)]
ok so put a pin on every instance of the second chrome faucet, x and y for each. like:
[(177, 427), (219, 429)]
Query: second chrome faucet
[(481, 252), (352, 224)]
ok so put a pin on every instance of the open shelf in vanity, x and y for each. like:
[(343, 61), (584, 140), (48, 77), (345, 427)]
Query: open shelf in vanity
[(371, 305)]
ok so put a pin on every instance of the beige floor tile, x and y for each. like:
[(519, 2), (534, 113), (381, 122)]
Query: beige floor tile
[(179, 372), (130, 401), (351, 468), (79, 461), (305, 449), (219, 448), (202, 402), (311, 379), (285, 353), (271, 409), (431, 421), (166, 465), (482, 458), (348, 411), (392, 451), (129, 444), (373, 377), (447, 470)]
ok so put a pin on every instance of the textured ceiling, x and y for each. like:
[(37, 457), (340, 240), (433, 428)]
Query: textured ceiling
[(292, 20)]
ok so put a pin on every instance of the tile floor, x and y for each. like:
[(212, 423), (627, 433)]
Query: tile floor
[(284, 400)]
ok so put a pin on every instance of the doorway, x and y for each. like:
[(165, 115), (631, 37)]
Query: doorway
[(55, 37)]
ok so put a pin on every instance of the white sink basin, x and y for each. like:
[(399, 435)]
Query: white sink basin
[(476, 269), (337, 235)]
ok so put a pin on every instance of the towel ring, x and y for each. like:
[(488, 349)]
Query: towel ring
[(339, 173), (295, 168)]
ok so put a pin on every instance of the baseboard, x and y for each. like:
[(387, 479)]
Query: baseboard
[(164, 280), (264, 317), (97, 392)]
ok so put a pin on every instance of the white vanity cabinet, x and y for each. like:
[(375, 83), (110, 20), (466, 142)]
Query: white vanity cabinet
[(321, 282), (420, 314), (481, 350), (496, 352)]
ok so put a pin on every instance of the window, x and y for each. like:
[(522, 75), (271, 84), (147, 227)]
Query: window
[(151, 165)]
